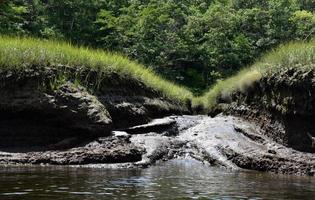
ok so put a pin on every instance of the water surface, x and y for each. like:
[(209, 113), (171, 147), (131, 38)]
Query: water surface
[(178, 179)]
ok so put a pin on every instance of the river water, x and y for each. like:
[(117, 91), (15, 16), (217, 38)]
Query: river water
[(177, 179)]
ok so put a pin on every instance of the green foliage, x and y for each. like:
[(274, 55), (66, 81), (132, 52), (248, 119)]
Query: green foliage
[(304, 24), (211, 38), (11, 17), (21, 53)]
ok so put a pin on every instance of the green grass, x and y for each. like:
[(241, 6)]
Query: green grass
[(21, 53), (291, 55)]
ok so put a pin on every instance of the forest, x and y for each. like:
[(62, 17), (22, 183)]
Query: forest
[(194, 43)]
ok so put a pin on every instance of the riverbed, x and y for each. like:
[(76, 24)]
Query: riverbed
[(175, 179)]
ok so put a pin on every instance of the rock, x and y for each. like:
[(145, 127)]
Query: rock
[(82, 110), (272, 151), (110, 150), (157, 125), (126, 112), (214, 141), (249, 134), (121, 134), (31, 117)]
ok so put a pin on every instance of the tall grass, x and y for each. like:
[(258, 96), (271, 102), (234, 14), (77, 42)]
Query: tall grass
[(20, 53), (291, 55)]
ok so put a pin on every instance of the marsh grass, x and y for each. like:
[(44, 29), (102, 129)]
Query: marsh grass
[(291, 55), (22, 53)]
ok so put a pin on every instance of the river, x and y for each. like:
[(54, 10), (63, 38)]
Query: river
[(176, 179)]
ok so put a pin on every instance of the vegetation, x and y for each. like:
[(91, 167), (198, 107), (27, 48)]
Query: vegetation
[(194, 42), (24, 53), (299, 55)]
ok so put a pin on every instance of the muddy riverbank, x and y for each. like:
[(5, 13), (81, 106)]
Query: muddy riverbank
[(224, 141)]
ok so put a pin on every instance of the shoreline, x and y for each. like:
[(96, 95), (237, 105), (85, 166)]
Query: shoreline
[(223, 141)]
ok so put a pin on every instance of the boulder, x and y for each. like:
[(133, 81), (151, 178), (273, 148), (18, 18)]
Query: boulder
[(32, 117)]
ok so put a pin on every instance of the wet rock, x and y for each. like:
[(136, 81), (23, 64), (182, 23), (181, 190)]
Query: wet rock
[(249, 133), (109, 150), (126, 113), (121, 134), (234, 143), (227, 142), (157, 125), (224, 141)]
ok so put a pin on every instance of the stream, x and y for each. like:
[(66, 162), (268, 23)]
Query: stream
[(176, 179)]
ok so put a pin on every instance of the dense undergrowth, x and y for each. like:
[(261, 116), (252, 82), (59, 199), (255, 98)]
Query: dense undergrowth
[(299, 55), (23, 53)]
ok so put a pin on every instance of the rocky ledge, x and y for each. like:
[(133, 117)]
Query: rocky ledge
[(228, 142)]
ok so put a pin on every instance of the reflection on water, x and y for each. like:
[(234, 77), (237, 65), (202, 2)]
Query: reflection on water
[(179, 179)]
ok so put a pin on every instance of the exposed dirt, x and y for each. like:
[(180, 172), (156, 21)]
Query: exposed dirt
[(283, 104)]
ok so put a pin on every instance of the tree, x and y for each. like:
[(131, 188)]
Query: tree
[(11, 17), (304, 23)]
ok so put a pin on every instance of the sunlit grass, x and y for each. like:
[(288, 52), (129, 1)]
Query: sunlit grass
[(21, 53), (291, 55)]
